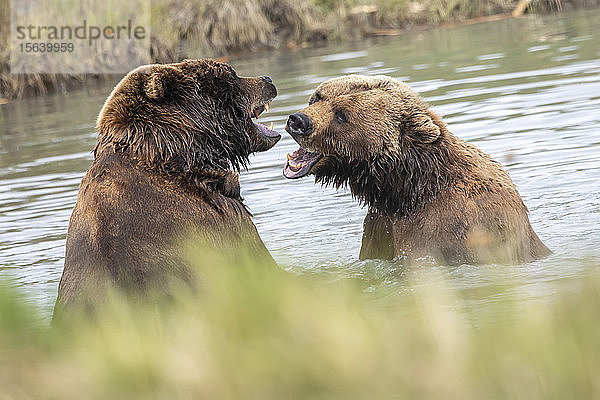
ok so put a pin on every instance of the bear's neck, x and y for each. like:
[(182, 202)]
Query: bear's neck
[(396, 185), (203, 181)]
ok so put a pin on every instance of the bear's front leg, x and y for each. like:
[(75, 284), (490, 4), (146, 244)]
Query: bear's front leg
[(377, 237)]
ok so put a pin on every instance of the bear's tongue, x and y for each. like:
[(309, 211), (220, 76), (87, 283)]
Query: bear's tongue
[(268, 132), (300, 163)]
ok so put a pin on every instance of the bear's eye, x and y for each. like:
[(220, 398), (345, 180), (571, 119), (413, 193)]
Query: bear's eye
[(340, 117), (316, 98)]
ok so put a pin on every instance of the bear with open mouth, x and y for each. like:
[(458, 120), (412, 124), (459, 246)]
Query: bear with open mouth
[(429, 193), (171, 140)]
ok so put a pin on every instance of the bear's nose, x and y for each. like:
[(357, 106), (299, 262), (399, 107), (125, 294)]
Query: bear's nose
[(267, 79), (299, 124)]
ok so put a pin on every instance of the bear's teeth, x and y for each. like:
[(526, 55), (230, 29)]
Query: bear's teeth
[(295, 167), (288, 156), (271, 125), (267, 107)]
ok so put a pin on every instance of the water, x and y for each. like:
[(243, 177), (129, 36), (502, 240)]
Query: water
[(526, 91)]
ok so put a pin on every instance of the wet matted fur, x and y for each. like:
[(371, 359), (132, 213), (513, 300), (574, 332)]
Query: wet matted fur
[(172, 139), (429, 193)]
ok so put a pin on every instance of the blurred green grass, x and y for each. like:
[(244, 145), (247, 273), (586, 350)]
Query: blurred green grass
[(254, 333)]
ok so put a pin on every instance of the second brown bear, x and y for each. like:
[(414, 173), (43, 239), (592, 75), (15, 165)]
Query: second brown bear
[(430, 194)]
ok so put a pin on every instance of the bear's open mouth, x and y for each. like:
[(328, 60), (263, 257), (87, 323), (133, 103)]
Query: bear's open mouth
[(262, 129), (266, 131), (300, 163), (259, 110)]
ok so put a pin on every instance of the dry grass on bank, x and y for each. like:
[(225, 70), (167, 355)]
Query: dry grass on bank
[(213, 28)]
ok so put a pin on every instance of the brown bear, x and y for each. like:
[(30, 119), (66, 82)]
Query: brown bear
[(430, 194), (172, 139)]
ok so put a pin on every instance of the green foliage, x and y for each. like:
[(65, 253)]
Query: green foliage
[(329, 5), (394, 13), (253, 332), (16, 320)]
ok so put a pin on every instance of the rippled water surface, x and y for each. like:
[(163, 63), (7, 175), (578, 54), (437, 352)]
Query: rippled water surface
[(526, 91)]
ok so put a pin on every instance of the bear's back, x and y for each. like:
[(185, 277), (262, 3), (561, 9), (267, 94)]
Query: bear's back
[(130, 225)]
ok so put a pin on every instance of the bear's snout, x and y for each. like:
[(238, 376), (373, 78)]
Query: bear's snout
[(299, 124)]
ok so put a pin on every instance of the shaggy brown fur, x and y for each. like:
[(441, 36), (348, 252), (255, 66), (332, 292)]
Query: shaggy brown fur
[(171, 138), (429, 193)]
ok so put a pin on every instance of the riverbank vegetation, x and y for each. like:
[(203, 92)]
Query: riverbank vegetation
[(254, 333), (216, 28)]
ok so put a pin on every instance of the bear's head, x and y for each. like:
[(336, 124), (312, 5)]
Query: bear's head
[(187, 117), (374, 134), (359, 119)]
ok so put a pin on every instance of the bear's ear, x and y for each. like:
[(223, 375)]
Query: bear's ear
[(161, 80), (155, 86), (422, 128)]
